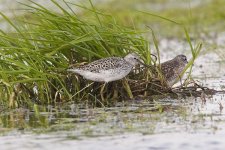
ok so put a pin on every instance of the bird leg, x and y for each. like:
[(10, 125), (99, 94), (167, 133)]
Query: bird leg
[(115, 91), (127, 88), (181, 84), (102, 92)]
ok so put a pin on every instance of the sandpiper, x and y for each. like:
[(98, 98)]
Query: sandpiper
[(172, 69), (108, 69)]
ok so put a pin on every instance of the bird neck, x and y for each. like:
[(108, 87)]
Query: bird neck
[(129, 61)]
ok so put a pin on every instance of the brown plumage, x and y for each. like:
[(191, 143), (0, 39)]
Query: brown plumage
[(172, 69)]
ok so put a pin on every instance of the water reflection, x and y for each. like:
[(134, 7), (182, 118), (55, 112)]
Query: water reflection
[(163, 118), (165, 115)]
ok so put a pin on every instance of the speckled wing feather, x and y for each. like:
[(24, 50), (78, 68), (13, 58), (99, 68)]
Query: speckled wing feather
[(104, 64), (168, 69)]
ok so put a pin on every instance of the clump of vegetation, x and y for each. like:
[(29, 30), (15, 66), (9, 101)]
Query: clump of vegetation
[(41, 46)]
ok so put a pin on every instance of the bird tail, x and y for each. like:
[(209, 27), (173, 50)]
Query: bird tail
[(73, 70)]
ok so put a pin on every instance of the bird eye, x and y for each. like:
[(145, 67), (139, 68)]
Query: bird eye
[(185, 59)]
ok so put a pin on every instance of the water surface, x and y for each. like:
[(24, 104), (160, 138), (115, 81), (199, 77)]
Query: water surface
[(183, 123)]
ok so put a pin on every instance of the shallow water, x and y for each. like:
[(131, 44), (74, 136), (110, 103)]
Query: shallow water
[(184, 123)]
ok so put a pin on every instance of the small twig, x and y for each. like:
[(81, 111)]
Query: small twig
[(82, 90), (220, 106), (155, 57)]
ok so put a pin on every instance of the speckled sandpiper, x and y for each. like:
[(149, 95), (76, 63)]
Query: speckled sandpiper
[(172, 69), (108, 69)]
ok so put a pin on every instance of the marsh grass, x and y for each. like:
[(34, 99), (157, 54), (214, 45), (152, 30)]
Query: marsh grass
[(39, 49)]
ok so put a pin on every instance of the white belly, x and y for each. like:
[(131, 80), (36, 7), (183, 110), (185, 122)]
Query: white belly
[(104, 75)]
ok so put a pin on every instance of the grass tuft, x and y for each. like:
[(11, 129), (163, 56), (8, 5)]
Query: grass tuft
[(36, 54)]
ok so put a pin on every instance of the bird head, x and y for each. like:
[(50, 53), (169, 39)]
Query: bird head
[(182, 59), (133, 59)]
